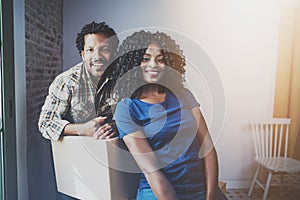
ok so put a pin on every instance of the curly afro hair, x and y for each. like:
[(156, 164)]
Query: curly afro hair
[(93, 28), (130, 56)]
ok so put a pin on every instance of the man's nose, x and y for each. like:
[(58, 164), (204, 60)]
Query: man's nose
[(98, 54)]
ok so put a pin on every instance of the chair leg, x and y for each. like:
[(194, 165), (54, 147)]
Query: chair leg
[(267, 186), (281, 184), (254, 179)]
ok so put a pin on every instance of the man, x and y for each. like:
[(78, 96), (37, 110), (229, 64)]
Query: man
[(69, 108)]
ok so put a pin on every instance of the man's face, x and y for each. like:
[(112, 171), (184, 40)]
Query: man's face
[(96, 54)]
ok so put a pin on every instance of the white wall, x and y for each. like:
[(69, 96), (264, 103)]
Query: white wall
[(239, 36)]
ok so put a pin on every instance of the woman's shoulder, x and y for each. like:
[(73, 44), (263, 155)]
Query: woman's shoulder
[(187, 98), (187, 92), (182, 93), (124, 101)]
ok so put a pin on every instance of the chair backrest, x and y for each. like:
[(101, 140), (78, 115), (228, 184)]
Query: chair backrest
[(271, 137)]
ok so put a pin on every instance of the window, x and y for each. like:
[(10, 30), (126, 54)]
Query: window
[(8, 132)]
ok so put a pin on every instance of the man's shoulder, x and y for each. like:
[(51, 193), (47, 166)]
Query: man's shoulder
[(71, 75)]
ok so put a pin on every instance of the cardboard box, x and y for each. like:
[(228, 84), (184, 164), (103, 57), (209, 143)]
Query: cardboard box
[(222, 186), (91, 169)]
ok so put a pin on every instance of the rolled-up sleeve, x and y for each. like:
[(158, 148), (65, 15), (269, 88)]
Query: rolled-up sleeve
[(51, 123)]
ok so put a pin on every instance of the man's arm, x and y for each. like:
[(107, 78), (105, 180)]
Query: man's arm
[(91, 128), (52, 124)]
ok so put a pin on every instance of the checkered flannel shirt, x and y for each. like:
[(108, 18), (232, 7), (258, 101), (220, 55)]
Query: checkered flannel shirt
[(70, 100)]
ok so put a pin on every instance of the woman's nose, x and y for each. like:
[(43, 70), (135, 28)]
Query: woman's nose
[(152, 62)]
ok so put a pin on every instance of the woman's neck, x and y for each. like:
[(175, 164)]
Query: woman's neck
[(152, 96)]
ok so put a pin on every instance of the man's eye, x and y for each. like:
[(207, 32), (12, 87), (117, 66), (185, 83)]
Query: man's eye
[(105, 50), (90, 50)]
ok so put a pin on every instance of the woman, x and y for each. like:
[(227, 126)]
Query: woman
[(161, 123)]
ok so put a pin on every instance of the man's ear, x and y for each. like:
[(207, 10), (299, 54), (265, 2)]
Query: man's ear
[(82, 54)]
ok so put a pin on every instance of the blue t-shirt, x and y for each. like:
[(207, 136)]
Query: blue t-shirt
[(170, 129)]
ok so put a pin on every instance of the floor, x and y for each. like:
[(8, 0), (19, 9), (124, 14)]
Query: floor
[(290, 192)]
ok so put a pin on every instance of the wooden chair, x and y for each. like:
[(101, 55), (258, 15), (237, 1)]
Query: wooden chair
[(271, 147)]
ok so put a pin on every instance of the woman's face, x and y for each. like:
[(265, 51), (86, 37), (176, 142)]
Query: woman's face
[(152, 65)]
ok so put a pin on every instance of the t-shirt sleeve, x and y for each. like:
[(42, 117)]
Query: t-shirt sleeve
[(125, 118), (189, 100)]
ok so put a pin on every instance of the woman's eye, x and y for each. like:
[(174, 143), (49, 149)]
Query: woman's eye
[(145, 59), (161, 60), (89, 50)]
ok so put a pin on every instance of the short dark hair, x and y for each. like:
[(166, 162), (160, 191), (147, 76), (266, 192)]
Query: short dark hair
[(93, 28)]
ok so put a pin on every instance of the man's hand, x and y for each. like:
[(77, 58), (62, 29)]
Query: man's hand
[(104, 132), (94, 128), (97, 128)]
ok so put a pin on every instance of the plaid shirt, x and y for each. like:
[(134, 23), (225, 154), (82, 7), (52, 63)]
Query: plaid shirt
[(70, 100)]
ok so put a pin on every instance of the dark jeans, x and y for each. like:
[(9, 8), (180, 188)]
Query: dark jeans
[(147, 194)]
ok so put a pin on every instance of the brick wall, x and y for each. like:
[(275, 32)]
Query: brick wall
[(43, 30)]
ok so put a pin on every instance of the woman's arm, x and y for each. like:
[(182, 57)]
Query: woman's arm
[(146, 160), (209, 154)]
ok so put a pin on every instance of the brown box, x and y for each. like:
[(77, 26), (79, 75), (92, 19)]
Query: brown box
[(87, 168), (222, 186)]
